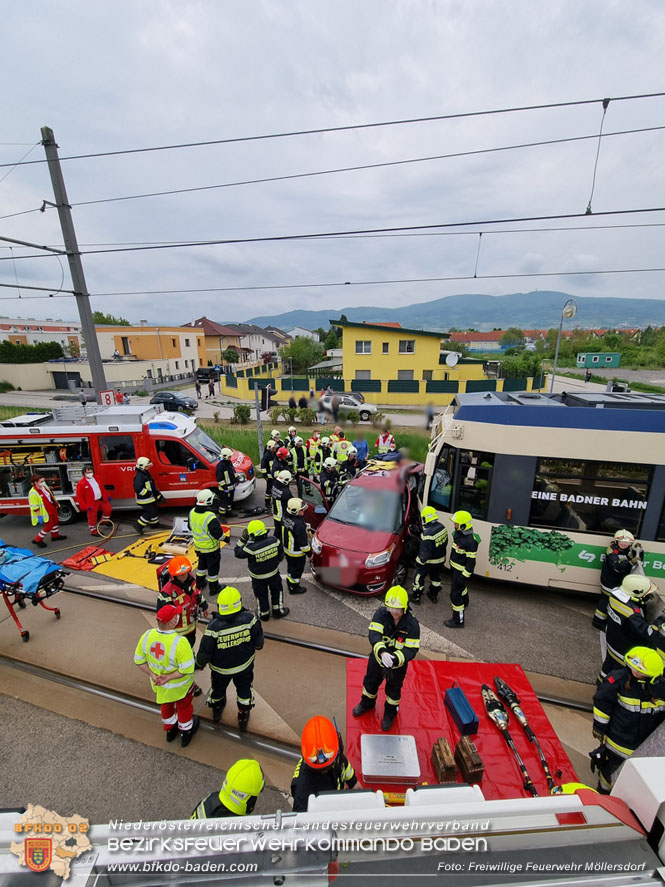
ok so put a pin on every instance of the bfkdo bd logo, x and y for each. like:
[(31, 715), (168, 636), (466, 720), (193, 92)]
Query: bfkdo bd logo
[(51, 841), (38, 853)]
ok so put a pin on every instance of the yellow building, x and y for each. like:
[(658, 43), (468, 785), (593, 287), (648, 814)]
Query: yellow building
[(130, 343)]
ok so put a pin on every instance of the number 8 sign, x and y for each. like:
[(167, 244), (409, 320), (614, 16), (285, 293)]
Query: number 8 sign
[(106, 398)]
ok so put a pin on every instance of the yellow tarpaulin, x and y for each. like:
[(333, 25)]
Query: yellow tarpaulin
[(132, 564)]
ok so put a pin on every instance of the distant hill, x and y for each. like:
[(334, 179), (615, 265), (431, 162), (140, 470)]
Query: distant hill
[(534, 310)]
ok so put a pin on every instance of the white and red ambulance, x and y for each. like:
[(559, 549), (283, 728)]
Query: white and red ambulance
[(57, 445)]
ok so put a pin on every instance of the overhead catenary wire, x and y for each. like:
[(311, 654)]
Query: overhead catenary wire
[(354, 126), (595, 165)]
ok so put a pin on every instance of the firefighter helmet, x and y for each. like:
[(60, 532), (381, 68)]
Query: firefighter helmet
[(571, 788), (271, 444), (352, 451), (143, 462), (205, 497), (645, 660), (242, 786), (319, 742), (229, 601), (293, 506), (292, 428), (256, 528), (330, 463), (638, 587), (274, 434), (284, 477), (282, 453), (624, 536), (397, 598), (179, 565), (463, 520), (298, 441), (226, 453), (325, 441), (428, 514)]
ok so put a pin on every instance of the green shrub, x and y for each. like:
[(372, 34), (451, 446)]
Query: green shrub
[(306, 416), (290, 414), (241, 413), (353, 416), (141, 392), (342, 416), (215, 416), (6, 386), (379, 419), (276, 415)]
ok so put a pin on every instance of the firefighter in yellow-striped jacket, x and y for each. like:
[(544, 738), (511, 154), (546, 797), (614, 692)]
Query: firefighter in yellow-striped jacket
[(462, 564), (628, 706)]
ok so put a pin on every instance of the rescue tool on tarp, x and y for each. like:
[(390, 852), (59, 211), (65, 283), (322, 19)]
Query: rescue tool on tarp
[(511, 699), (496, 712)]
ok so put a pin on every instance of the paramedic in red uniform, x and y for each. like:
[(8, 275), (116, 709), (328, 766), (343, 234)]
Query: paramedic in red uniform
[(43, 511), (92, 499)]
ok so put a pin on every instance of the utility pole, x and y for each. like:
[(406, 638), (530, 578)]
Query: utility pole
[(74, 258)]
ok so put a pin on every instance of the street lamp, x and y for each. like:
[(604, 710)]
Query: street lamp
[(568, 311)]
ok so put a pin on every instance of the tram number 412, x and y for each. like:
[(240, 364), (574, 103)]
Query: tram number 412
[(507, 568)]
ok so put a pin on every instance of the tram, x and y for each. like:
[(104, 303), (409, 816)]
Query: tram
[(549, 479)]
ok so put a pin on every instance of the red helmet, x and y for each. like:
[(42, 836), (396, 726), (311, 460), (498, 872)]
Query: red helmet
[(179, 565), (319, 743), (282, 453)]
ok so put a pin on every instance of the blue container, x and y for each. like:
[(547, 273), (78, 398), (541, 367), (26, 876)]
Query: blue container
[(466, 720)]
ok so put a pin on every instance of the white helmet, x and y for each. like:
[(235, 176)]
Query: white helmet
[(205, 497), (298, 441), (292, 428), (284, 477), (352, 451), (293, 506), (226, 453), (638, 587), (330, 462), (271, 444), (143, 462), (624, 536), (274, 434), (325, 441)]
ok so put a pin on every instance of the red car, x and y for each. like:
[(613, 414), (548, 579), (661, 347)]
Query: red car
[(365, 542)]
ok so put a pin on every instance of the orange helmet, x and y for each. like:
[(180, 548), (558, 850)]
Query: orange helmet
[(319, 743), (179, 565)]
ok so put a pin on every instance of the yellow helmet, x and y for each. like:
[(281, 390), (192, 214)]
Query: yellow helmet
[(463, 520), (397, 598), (638, 587), (569, 788), (242, 786), (256, 528), (428, 514), (645, 660), (229, 601)]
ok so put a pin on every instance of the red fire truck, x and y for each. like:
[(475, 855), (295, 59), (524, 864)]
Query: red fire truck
[(58, 445)]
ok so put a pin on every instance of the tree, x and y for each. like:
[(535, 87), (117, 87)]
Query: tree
[(302, 353), (331, 340), (109, 319), (520, 365), (513, 337), (73, 349), (10, 353), (321, 333), (230, 355)]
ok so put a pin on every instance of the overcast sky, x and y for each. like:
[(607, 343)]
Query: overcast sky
[(137, 74)]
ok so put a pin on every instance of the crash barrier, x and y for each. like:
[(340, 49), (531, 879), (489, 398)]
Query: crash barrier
[(438, 392)]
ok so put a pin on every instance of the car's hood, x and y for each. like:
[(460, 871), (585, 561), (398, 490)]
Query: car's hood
[(352, 538)]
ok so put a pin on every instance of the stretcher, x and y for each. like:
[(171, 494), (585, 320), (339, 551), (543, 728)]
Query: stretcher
[(26, 577)]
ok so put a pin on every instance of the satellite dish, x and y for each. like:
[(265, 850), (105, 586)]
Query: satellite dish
[(451, 358)]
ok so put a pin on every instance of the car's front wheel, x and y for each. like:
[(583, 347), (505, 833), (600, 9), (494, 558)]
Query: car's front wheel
[(364, 415), (401, 571)]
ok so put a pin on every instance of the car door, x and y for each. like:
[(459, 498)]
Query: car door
[(316, 504)]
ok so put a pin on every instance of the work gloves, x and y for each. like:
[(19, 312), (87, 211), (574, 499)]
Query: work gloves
[(598, 757), (387, 660)]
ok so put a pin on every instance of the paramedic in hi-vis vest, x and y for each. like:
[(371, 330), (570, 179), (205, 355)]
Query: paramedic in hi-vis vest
[(43, 512)]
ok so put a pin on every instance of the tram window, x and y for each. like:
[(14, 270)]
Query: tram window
[(117, 448), (442, 482), (589, 497), (472, 486)]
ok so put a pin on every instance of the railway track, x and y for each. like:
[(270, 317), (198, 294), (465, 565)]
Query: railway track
[(571, 704)]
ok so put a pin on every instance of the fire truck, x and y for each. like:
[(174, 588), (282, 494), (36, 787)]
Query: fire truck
[(58, 445)]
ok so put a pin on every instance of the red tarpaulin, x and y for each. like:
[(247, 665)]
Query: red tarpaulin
[(422, 714)]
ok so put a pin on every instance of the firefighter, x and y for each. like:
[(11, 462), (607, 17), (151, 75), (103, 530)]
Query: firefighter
[(208, 533), (181, 591), (226, 482), (312, 446), (329, 479), (264, 553), (627, 708), (280, 499), (394, 636), (349, 468), (300, 463), (340, 449), (238, 795), (43, 512), (277, 437), (266, 467), (383, 441), (618, 563), (282, 461), (431, 556), (462, 564), (627, 622), (228, 646), (296, 544), (92, 499), (323, 766), (167, 657), (291, 437), (323, 452), (147, 496)]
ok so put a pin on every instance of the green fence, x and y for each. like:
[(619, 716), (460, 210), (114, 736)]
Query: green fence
[(335, 384), (364, 385), (442, 386), (480, 385), (518, 384), (404, 386), (231, 380), (295, 384)]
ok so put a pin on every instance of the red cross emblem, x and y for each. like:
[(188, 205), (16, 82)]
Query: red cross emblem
[(157, 650)]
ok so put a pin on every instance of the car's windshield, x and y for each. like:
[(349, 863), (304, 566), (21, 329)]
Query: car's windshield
[(377, 510), (206, 446)]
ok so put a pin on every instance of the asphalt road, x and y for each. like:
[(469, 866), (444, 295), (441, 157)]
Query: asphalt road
[(545, 631)]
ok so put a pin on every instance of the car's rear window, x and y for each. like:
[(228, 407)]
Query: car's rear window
[(377, 510)]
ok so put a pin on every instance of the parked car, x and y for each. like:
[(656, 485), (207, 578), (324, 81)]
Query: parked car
[(356, 395), (366, 541), (174, 402), (205, 374), (350, 403)]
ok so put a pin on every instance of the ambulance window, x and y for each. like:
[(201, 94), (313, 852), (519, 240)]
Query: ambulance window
[(117, 448), (172, 452)]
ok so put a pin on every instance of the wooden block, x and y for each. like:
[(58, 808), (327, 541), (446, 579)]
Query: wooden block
[(443, 761), (469, 761)]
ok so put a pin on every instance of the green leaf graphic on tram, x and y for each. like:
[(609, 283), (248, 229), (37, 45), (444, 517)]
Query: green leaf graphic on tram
[(508, 544)]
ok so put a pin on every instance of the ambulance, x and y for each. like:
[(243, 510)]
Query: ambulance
[(58, 445)]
